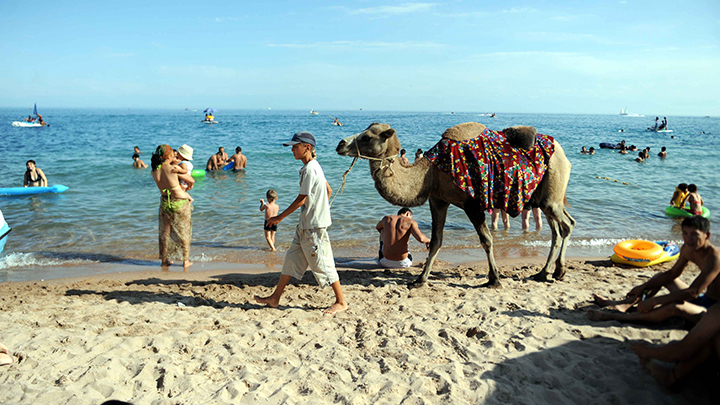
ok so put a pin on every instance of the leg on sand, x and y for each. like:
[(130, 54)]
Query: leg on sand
[(340, 304), (694, 349), (620, 305), (274, 300), (685, 310)]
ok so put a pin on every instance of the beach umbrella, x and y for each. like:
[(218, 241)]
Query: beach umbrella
[(209, 110), (35, 109)]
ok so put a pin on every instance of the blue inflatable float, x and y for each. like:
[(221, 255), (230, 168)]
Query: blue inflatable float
[(58, 188)]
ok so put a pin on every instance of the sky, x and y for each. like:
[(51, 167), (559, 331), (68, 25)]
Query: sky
[(588, 57)]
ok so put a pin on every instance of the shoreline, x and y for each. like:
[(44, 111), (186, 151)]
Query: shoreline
[(272, 262)]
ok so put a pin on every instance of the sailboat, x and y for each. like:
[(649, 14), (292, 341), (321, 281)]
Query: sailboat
[(36, 121), (624, 112)]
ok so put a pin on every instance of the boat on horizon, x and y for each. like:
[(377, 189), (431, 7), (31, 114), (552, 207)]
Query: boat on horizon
[(313, 112), (624, 112)]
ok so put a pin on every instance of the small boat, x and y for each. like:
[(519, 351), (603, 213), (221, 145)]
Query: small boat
[(624, 112), (658, 130), (26, 124), (313, 112), (4, 231), (209, 122), (607, 145), (36, 121)]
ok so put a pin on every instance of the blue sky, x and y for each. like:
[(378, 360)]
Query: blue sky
[(654, 57)]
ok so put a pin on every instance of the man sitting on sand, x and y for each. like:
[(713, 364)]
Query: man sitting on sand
[(684, 301), (395, 231), (694, 349)]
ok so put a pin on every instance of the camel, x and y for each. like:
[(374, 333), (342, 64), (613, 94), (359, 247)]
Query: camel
[(412, 185)]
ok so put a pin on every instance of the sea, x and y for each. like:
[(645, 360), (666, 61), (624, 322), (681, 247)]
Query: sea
[(109, 213)]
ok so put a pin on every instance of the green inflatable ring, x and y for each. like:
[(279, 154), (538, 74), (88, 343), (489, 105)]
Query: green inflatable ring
[(678, 213), (198, 173)]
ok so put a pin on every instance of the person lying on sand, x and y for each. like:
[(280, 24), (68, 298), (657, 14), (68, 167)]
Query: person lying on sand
[(694, 349), (5, 358), (684, 301)]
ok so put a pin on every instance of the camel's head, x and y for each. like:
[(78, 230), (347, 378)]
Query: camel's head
[(378, 141)]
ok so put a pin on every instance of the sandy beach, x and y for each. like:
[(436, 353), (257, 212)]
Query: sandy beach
[(190, 338)]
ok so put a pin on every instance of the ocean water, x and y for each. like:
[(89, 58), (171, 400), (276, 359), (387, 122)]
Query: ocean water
[(109, 214)]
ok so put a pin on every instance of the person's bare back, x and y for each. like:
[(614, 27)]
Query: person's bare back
[(396, 231), (239, 160)]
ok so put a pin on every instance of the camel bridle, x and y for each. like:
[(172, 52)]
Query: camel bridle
[(386, 164)]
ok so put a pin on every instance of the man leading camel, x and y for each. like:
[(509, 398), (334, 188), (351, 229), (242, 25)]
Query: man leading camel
[(395, 231)]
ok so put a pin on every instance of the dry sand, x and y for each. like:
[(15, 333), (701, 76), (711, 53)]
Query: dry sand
[(197, 338)]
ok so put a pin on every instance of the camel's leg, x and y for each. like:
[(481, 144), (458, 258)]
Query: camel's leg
[(438, 210), (566, 227), (477, 217), (552, 219)]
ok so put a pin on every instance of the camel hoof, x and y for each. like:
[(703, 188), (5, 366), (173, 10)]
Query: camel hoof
[(492, 284), (417, 284), (559, 276), (542, 276)]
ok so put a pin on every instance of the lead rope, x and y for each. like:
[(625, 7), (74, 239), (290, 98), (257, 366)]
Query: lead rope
[(383, 166)]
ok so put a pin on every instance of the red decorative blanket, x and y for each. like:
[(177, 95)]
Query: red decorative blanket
[(489, 169)]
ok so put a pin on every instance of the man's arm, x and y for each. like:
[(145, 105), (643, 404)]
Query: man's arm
[(661, 279), (415, 230), (299, 201), (380, 225), (329, 190)]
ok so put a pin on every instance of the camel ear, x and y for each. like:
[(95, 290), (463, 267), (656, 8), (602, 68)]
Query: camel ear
[(387, 134)]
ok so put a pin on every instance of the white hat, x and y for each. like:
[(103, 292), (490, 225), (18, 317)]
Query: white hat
[(186, 152)]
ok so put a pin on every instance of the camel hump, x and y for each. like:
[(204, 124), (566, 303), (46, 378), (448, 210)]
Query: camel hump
[(521, 136), (464, 131)]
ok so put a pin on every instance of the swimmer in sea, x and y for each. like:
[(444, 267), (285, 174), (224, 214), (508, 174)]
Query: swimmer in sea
[(239, 160), (34, 176)]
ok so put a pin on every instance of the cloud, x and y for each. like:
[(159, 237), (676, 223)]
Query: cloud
[(366, 45), (520, 10), (406, 8)]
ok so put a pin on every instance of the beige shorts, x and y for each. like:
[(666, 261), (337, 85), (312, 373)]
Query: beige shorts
[(395, 264), (311, 248)]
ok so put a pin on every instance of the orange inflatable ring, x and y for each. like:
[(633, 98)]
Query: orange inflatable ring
[(638, 250)]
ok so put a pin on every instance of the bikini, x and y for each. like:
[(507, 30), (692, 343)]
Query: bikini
[(30, 179)]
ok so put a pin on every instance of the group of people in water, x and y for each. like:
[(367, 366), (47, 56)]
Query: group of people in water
[(659, 125), (642, 155)]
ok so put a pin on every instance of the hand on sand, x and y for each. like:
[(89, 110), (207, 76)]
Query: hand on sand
[(335, 308), (5, 358)]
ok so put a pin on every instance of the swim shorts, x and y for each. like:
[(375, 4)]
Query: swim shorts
[(395, 264), (269, 228), (703, 301)]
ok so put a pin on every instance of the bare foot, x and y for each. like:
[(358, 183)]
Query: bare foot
[(642, 349), (335, 308), (595, 315), (5, 358), (602, 301), (167, 263), (186, 264), (270, 301), (662, 374)]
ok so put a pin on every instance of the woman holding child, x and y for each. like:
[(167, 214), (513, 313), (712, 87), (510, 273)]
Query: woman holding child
[(175, 222)]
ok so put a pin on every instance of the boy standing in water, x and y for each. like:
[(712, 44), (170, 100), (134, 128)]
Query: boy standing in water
[(311, 244), (271, 209)]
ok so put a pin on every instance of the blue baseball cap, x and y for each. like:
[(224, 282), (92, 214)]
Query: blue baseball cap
[(302, 136)]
